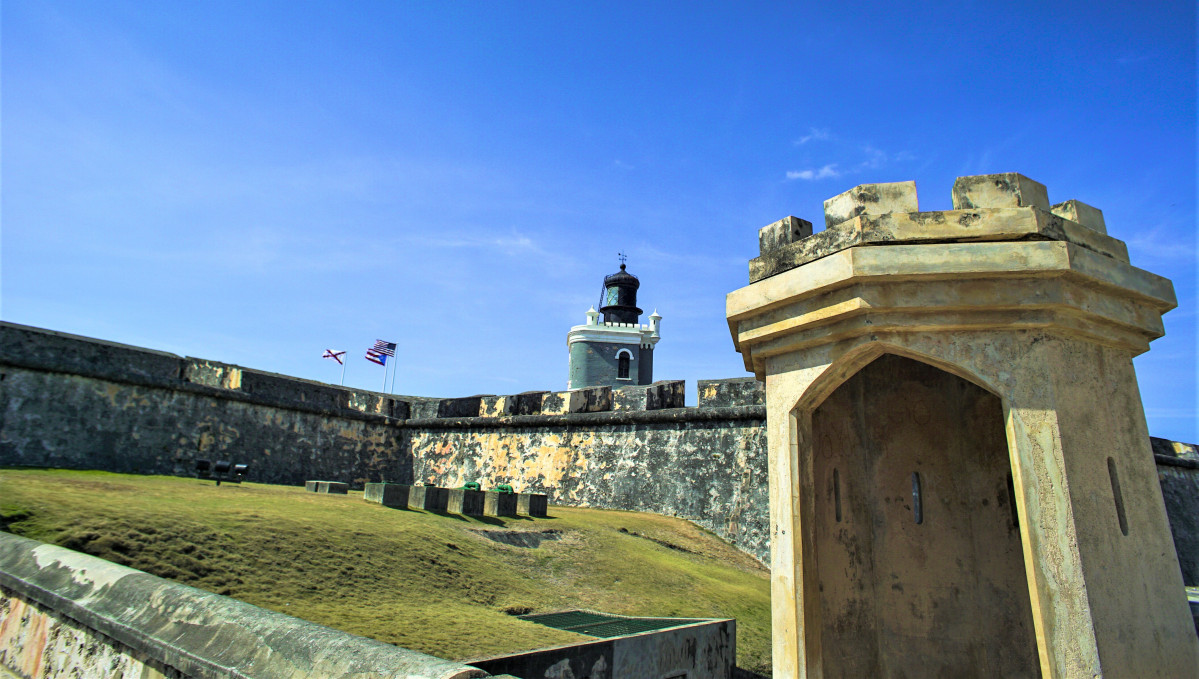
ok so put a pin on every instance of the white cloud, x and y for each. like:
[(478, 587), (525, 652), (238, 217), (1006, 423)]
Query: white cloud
[(814, 134), (825, 172)]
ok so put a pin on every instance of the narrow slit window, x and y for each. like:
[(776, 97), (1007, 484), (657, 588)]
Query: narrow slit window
[(837, 494), (622, 367), (917, 499), (1117, 496)]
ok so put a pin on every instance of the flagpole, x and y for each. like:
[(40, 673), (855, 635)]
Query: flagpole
[(385, 374), (345, 357), (393, 375)]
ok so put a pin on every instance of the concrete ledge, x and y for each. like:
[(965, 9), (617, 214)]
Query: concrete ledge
[(327, 487), (532, 504), (499, 504), (464, 502), (428, 498), (197, 633), (388, 494)]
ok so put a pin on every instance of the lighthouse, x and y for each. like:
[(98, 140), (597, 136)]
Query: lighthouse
[(616, 350)]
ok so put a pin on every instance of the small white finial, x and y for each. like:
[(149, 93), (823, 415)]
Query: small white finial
[(592, 316)]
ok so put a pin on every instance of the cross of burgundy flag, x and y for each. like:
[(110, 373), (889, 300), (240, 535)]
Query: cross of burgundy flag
[(335, 355)]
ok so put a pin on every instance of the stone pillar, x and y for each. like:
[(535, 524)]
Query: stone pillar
[(1009, 296)]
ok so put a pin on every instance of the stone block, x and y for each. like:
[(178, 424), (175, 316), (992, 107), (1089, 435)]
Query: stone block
[(1081, 213), (421, 407), (211, 373), (396, 408), (387, 494), (428, 498), (496, 406), (588, 400), (499, 504), (629, 398), (665, 394), (532, 504), (739, 391), (998, 190), (786, 230), (466, 406), (465, 502), (870, 199), (529, 402), (376, 404), (657, 396), (328, 487)]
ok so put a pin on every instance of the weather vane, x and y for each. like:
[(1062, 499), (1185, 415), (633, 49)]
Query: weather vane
[(621, 256)]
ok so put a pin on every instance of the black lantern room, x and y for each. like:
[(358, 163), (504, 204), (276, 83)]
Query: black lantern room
[(619, 301)]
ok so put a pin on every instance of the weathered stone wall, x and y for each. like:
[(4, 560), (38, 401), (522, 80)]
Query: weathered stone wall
[(1178, 473), (706, 465)]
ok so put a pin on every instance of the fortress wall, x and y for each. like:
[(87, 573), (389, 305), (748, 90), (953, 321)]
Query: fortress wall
[(74, 402), (707, 465)]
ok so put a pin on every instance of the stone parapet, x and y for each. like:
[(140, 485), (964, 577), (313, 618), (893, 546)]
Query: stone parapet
[(978, 216), (56, 352), (732, 393), (585, 400), (657, 396), (76, 611)]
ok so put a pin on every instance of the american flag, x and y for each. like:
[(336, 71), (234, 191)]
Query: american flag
[(335, 355), (385, 348)]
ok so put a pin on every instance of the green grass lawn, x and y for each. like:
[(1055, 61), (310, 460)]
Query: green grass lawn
[(420, 580)]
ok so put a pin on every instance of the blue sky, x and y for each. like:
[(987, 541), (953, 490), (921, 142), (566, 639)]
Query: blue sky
[(257, 182)]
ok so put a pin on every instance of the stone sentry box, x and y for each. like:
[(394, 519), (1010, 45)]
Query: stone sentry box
[(960, 475)]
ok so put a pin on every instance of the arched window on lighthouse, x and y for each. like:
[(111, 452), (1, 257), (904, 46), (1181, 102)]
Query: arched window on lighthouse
[(622, 364)]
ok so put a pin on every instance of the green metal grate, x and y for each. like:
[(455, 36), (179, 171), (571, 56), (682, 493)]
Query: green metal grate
[(601, 625)]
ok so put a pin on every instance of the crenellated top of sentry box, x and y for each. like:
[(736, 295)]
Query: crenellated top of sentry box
[(993, 207), (56, 352)]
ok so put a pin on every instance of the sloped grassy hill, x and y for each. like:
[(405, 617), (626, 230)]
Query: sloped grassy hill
[(425, 581)]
